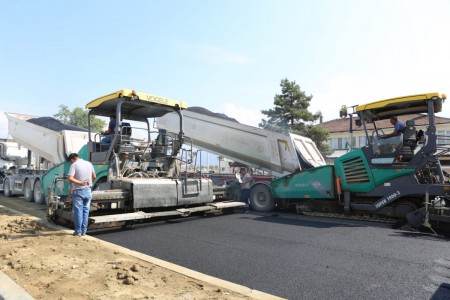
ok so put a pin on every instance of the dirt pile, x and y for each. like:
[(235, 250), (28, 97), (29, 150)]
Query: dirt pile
[(53, 264)]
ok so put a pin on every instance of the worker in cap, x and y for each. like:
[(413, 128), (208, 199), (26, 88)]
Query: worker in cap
[(398, 127)]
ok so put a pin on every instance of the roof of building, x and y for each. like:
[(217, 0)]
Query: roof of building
[(343, 125)]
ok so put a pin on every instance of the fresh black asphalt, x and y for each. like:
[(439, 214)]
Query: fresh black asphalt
[(299, 257)]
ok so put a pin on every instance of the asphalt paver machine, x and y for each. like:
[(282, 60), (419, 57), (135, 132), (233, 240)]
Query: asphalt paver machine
[(400, 176), (139, 172)]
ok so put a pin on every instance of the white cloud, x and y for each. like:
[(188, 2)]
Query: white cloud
[(243, 115), (343, 90), (352, 90), (403, 55)]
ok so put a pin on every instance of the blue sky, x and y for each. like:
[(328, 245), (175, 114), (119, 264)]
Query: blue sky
[(226, 56)]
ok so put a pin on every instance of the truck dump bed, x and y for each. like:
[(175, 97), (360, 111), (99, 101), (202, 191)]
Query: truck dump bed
[(53, 142), (275, 152)]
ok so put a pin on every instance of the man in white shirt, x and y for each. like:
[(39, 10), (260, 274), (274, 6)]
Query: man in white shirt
[(246, 179), (81, 175)]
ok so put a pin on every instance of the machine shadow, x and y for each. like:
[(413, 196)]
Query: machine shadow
[(442, 292), (313, 223)]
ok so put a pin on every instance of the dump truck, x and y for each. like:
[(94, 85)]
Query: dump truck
[(275, 153), (48, 142), (399, 177), (138, 172)]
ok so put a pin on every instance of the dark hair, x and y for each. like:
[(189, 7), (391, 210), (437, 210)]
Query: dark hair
[(72, 156), (393, 118), (243, 169)]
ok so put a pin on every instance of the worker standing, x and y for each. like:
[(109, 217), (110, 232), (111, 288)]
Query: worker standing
[(81, 175), (246, 179)]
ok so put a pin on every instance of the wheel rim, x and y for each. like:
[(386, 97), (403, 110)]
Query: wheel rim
[(261, 198)]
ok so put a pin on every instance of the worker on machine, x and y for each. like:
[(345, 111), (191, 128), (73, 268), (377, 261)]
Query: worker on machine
[(398, 127), (109, 133)]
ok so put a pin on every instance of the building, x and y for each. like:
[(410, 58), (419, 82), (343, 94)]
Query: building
[(342, 141)]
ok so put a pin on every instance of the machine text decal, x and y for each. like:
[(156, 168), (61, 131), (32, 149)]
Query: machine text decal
[(387, 199)]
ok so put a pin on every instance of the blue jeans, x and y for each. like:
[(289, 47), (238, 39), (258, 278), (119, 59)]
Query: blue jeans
[(81, 201), (107, 139), (245, 193)]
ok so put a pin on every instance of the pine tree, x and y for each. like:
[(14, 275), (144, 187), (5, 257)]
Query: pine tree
[(291, 114)]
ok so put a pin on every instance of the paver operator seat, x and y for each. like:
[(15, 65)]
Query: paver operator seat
[(409, 141)]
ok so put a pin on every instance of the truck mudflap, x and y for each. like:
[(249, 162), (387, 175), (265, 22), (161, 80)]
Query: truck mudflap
[(180, 212)]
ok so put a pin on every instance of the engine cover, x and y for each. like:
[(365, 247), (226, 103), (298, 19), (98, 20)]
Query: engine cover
[(163, 192)]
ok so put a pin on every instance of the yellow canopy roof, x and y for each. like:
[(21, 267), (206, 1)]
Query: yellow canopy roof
[(384, 109), (135, 105)]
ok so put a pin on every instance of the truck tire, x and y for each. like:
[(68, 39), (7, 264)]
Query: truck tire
[(7, 188), (261, 198), (28, 191), (38, 193)]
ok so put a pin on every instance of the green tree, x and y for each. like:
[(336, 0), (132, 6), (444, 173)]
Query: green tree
[(78, 117), (291, 114)]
